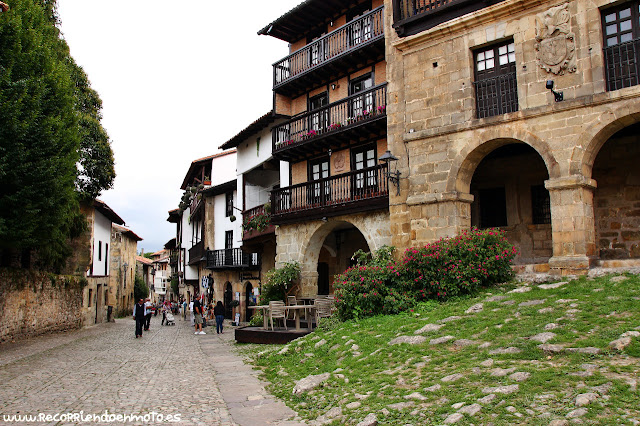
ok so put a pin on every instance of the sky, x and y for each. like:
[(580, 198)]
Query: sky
[(177, 79)]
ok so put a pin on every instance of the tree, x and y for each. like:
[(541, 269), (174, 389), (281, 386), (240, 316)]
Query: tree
[(140, 289), (49, 130)]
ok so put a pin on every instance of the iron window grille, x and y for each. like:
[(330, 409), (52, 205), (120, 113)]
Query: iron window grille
[(495, 80), (621, 33), (540, 205)]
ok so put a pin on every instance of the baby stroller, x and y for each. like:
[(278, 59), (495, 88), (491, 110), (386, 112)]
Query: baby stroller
[(169, 319)]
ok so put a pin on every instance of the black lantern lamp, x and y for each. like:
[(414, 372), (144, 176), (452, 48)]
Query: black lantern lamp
[(393, 175)]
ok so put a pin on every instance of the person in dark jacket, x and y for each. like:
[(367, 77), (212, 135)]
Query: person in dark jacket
[(139, 316), (218, 311)]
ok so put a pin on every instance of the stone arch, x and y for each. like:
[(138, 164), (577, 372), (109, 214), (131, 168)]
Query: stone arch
[(598, 133), (472, 154), (369, 225)]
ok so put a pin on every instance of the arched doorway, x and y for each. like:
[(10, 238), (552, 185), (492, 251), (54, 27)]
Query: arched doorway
[(616, 199), (249, 300), (228, 297), (509, 193), (336, 254)]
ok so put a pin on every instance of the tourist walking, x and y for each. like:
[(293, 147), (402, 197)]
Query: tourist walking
[(197, 314), (184, 310), (218, 311), (191, 312), (138, 315), (147, 314)]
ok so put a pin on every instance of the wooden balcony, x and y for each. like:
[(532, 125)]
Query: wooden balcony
[(249, 234), (196, 253), (356, 44), (622, 64), (358, 117), (353, 192), (413, 16), (232, 259)]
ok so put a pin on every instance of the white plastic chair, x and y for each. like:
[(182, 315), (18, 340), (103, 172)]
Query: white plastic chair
[(277, 310)]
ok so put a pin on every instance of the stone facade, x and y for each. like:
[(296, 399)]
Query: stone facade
[(432, 126), (124, 247), (304, 242), (35, 303)]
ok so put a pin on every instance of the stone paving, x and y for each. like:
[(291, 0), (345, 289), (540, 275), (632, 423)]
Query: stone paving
[(169, 371)]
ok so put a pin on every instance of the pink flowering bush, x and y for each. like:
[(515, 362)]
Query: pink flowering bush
[(441, 270), (454, 266)]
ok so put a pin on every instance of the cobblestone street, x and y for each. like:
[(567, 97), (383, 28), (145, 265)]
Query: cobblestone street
[(170, 371)]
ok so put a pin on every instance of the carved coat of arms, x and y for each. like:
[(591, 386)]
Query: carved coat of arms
[(555, 43)]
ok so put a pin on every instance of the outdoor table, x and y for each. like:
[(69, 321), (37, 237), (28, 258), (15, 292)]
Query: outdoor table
[(265, 309), (296, 309)]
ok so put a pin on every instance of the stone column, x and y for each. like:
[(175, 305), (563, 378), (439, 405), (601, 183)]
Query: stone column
[(572, 224), (439, 215)]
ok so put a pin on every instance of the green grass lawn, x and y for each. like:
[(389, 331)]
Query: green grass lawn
[(488, 352)]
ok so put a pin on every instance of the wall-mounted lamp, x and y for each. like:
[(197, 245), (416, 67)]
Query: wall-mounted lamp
[(393, 175), (559, 96), (334, 86)]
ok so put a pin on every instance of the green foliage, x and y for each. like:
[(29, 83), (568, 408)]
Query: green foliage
[(256, 320), (279, 281), (370, 287), (175, 286), (444, 269), (460, 265), (258, 222), (140, 289), (45, 122)]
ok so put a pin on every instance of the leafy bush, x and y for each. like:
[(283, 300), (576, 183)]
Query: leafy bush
[(256, 320), (370, 287), (279, 281), (450, 267), (140, 289), (441, 270)]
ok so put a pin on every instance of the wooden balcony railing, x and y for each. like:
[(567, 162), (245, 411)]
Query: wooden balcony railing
[(622, 62), (196, 253), (366, 29), (355, 191), (256, 222), (232, 259), (336, 117), (412, 16)]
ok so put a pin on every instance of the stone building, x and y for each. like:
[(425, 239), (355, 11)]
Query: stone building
[(521, 115), (97, 242), (334, 197), (124, 248)]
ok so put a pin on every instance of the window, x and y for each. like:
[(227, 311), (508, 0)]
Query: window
[(361, 30), (363, 158), (495, 74), (493, 207), (363, 104), (319, 169), (229, 204), (228, 239), (318, 121), (318, 50), (540, 205), (621, 32), (99, 250), (90, 297), (106, 259)]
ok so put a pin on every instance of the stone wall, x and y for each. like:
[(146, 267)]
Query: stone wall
[(35, 303), (303, 242), (432, 122)]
